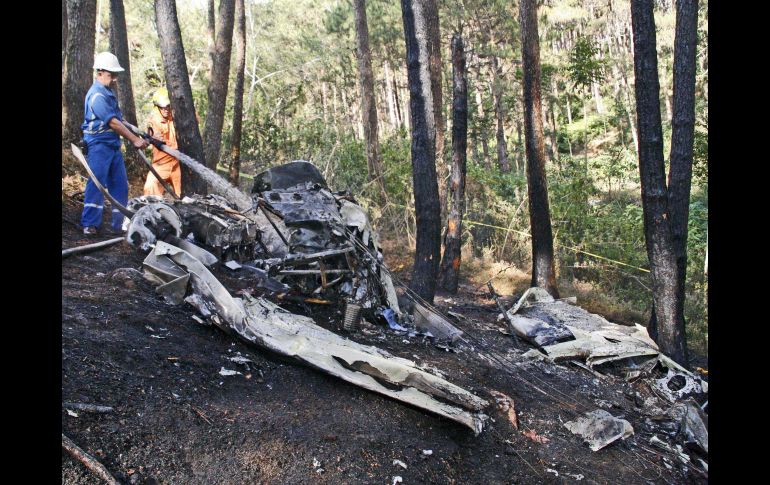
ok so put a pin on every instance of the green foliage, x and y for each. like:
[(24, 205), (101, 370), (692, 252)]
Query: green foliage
[(584, 66), (700, 155), (616, 167), (577, 129)]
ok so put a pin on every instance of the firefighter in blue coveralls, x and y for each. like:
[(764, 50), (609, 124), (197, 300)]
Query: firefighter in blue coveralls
[(101, 128)]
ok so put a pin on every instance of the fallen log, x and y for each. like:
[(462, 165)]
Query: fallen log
[(97, 468), (90, 247)]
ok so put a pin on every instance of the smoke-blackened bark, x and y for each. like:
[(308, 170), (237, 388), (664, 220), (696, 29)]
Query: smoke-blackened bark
[(368, 104), (77, 75), (240, 72), (434, 48), (119, 47), (217, 91), (450, 262), (543, 274), (172, 53), (680, 171), (426, 202), (682, 135), (667, 326)]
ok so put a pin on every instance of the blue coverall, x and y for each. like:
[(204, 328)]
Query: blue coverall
[(103, 157)]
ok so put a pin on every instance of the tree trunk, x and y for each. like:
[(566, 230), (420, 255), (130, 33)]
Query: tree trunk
[(547, 130), (335, 120), (399, 111), (172, 52), (77, 75), (554, 126), (682, 139), (324, 95), (450, 263), (125, 93), (346, 110), (368, 105), (211, 34), (406, 115), (434, 47), (63, 31), (426, 202), (585, 139), (392, 117), (98, 28), (481, 122), (497, 93), (667, 327), (628, 104), (600, 109), (543, 274), (240, 73), (217, 92)]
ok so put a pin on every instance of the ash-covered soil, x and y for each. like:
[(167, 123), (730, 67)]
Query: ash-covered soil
[(176, 420)]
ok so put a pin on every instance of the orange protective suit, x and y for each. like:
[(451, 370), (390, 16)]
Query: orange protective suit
[(166, 165)]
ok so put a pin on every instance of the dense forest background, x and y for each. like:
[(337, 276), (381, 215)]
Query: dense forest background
[(302, 100)]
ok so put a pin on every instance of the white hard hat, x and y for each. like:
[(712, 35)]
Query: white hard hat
[(106, 61)]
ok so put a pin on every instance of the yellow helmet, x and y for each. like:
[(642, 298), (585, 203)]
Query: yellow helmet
[(160, 98)]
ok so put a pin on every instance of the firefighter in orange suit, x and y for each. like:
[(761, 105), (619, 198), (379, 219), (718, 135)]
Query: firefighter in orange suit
[(161, 126)]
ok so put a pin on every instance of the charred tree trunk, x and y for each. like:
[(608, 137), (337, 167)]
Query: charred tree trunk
[(119, 47), (450, 263), (543, 274), (217, 92), (434, 46), (426, 201), (682, 139), (683, 130), (172, 52), (240, 73), (667, 325), (368, 104), (77, 75)]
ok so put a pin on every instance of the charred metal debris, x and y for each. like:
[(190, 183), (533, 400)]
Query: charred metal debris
[(295, 240)]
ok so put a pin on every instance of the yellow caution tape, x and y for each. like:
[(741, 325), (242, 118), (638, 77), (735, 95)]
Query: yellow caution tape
[(529, 235)]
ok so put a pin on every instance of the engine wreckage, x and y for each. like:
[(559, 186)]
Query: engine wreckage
[(295, 240)]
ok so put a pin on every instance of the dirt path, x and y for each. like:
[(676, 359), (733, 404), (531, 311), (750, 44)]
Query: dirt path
[(177, 420)]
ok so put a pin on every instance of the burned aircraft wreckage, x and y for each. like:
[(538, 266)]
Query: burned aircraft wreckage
[(294, 240)]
